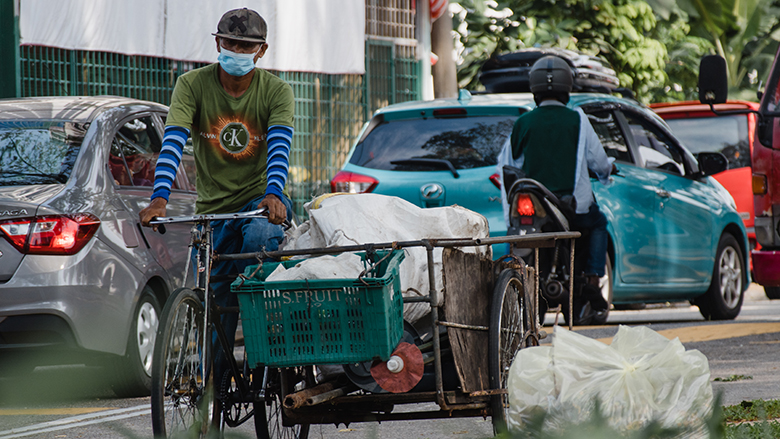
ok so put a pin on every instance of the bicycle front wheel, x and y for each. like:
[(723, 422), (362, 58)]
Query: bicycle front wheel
[(182, 390)]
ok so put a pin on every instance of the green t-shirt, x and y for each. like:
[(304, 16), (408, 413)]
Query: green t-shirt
[(229, 134)]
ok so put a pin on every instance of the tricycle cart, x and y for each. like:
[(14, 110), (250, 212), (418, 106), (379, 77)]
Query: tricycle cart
[(458, 357)]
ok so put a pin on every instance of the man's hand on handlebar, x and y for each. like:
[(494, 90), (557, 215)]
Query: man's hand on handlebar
[(277, 211), (157, 208)]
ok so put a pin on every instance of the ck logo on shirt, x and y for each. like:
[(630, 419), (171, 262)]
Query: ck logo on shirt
[(234, 137)]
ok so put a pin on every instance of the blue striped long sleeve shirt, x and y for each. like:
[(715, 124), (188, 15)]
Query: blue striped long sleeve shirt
[(279, 140)]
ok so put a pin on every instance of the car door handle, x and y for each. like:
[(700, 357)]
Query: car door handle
[(663, 193)]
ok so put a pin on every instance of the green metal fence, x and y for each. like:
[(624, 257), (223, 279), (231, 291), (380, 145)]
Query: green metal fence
[(329, 109), (49, 71), (329, 112)]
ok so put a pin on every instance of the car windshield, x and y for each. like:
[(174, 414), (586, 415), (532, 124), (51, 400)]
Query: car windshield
[(434, 144), (38, 152), (727, 135)]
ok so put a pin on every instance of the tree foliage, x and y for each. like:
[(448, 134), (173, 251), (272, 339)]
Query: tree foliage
[(654, 45), (618, 30)]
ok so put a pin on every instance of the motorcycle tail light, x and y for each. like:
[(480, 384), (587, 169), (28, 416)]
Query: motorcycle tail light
[(525, 205), (352, 183), (51, 234)]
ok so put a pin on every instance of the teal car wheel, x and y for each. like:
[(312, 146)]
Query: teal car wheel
[(723, 300)]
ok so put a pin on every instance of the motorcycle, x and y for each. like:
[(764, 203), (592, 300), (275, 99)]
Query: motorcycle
[(535, 209)]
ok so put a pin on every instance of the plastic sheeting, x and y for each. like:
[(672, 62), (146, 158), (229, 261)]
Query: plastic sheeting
[(641, 377), (350, 219), (303, 35), (343, 266)]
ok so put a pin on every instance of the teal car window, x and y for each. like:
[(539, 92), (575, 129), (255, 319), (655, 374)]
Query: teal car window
[(464, 142), (727, 135), (653, 146), (606, 126)]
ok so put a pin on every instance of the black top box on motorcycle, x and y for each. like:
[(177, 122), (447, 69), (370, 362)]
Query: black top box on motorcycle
[(508, 73)]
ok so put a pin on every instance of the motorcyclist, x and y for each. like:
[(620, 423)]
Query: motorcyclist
[(556, 146)]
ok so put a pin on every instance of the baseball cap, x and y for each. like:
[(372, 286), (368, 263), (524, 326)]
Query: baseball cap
[(242, 24)]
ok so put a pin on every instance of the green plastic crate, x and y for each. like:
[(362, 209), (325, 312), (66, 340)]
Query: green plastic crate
[(321, 321)]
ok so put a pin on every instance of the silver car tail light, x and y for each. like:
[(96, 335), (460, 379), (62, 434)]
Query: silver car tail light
[(50, 234)]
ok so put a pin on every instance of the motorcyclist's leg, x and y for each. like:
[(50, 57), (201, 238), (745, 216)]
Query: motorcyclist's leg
[(596, 222), (591, 300), (598, 243)]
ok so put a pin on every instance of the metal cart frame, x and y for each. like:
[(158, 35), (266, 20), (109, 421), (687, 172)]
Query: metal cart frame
[(328, 405)]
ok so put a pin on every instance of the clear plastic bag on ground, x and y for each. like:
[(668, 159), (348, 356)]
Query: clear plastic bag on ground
[(639, 378)]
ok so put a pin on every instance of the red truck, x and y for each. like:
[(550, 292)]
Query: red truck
[(701, 130), (713, 89)]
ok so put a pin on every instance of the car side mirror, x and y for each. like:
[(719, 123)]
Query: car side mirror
[(713, 80), (711, 163), (765, 130)]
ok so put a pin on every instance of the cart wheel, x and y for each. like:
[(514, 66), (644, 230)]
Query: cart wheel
[(268, 413), (508, 324)]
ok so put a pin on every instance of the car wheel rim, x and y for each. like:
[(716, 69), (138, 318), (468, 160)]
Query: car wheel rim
[(146, 330), (730, 271)]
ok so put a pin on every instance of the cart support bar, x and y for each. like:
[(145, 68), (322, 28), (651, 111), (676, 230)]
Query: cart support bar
[(327, 396), (528, 241), (298, 399), (461, 326)]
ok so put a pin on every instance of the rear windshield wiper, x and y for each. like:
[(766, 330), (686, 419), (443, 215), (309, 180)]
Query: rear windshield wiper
[(59, 178), (441, 163)]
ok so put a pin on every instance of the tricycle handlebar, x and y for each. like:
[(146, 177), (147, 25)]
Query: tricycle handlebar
[(209, 217)]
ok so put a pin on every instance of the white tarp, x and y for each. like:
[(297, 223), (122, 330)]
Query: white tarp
[(350, 219), (303, 35)]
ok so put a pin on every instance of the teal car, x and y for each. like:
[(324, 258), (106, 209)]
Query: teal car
[(674, 232)]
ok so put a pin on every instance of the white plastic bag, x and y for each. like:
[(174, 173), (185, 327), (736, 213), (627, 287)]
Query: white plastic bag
[(641, 377), (343, 266)]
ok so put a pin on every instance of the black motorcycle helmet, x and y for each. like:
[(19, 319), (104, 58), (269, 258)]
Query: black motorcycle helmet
[(550, 77)]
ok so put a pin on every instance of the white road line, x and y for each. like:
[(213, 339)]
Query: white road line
[(77, 421)]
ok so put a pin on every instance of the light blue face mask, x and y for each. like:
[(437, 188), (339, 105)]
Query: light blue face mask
[(236, 64)]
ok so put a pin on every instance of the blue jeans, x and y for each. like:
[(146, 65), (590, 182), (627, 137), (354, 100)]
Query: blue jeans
[(595, 222), (239, 236)]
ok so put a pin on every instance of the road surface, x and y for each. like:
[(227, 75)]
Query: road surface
[(76, 402)]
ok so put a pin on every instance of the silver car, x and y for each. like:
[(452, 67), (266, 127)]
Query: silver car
[(78, 274)]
